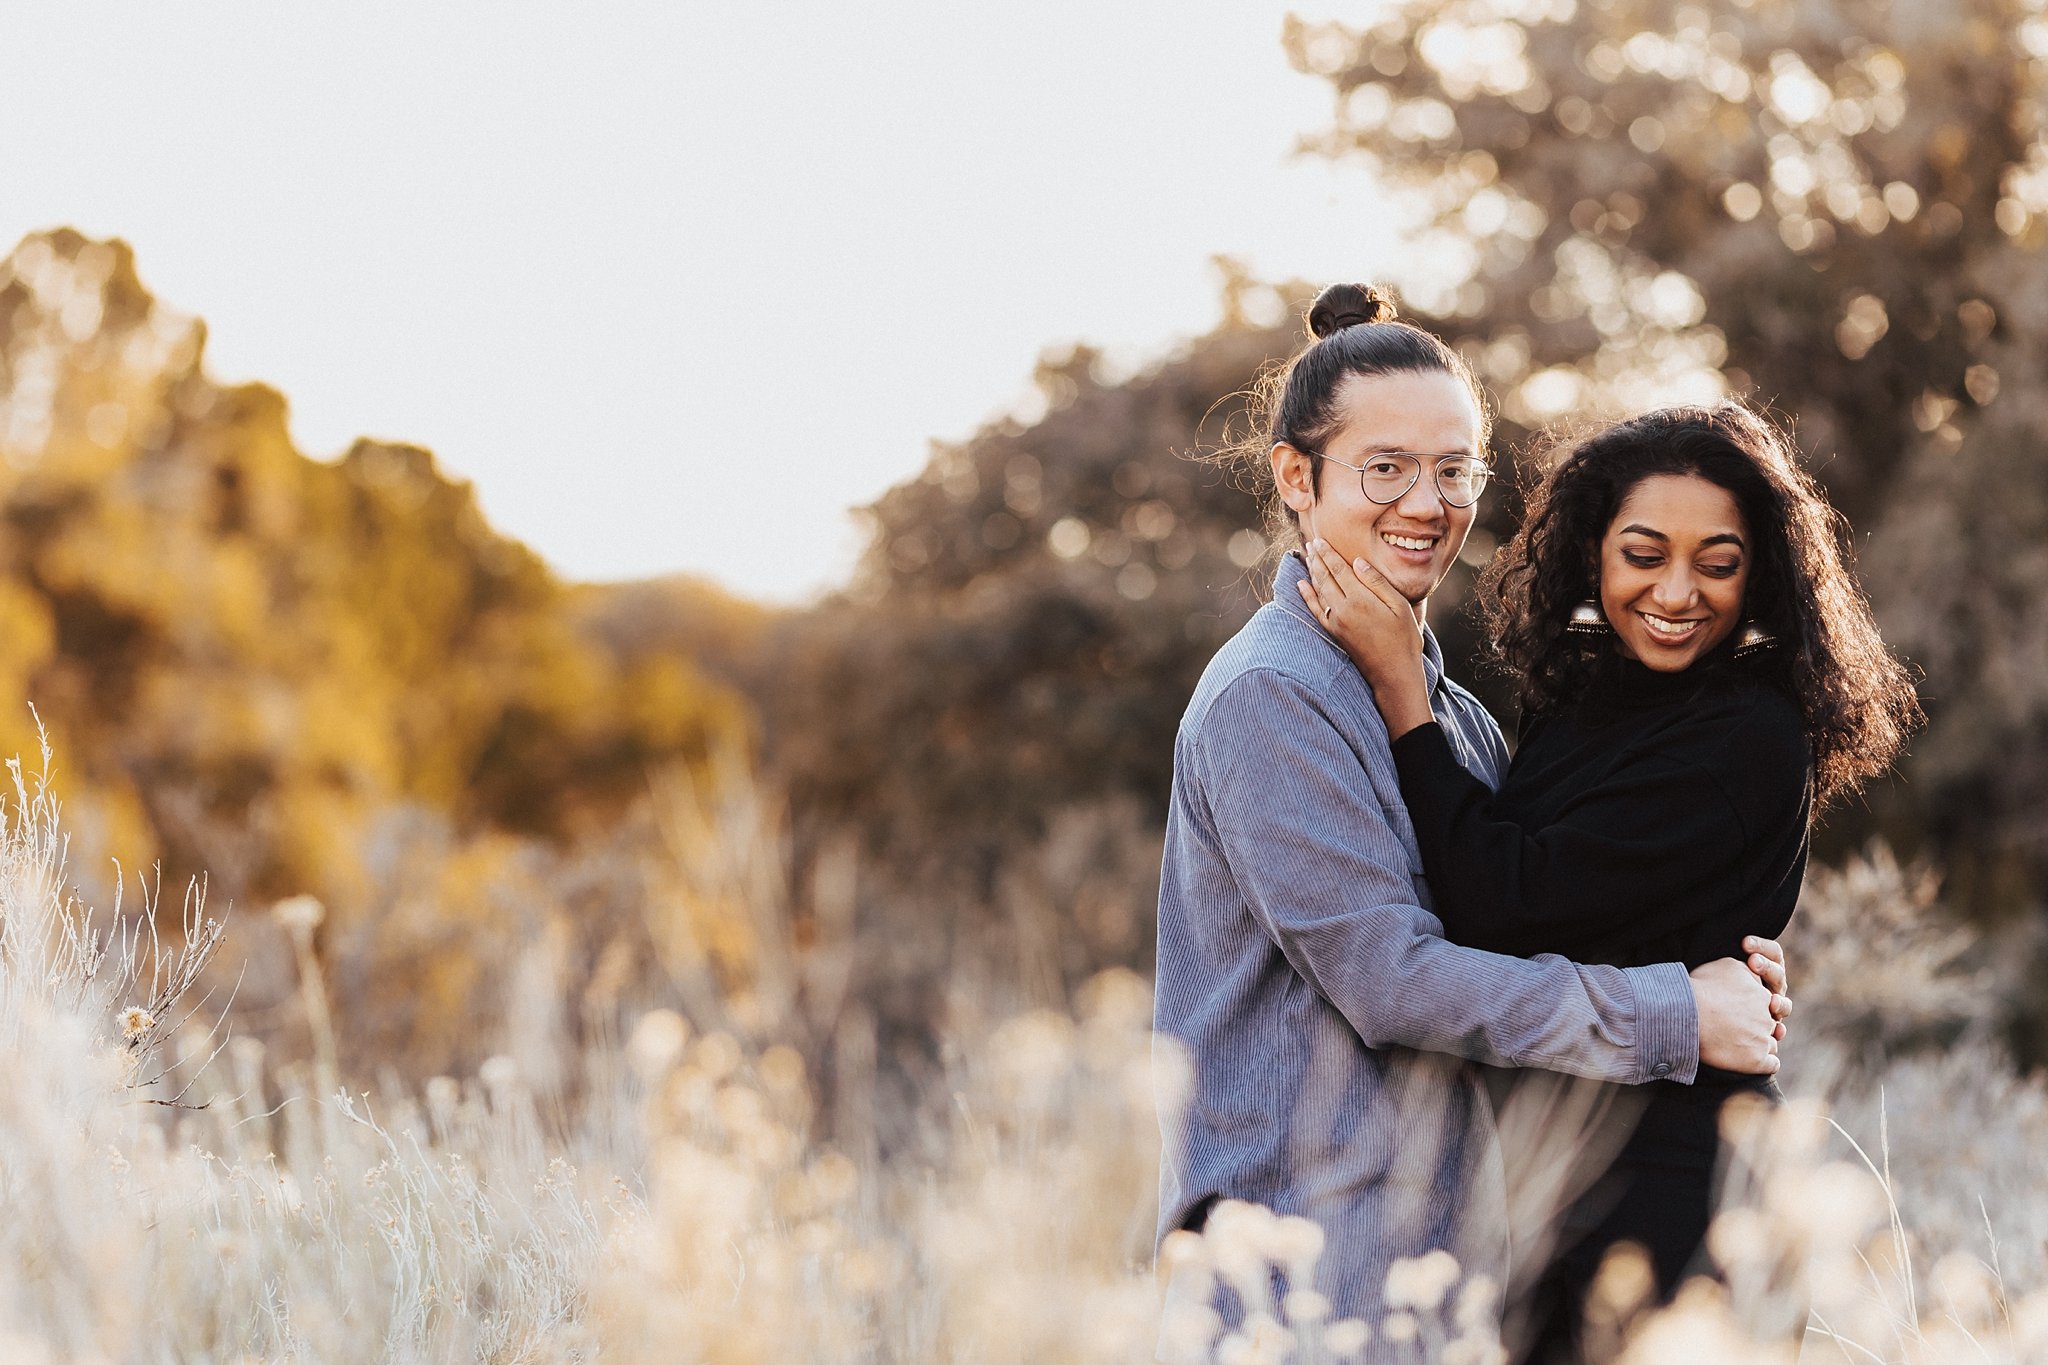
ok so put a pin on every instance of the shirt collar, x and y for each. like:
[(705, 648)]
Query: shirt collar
[(1287, 597)]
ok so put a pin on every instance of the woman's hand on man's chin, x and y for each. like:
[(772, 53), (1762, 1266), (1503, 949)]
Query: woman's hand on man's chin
[(1378, 629)]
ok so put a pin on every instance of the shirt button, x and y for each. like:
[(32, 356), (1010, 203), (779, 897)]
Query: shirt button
[(1661, 1070)]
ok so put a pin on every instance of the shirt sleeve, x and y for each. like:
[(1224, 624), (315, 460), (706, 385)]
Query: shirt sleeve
[(1662, 835), (1322, 871)]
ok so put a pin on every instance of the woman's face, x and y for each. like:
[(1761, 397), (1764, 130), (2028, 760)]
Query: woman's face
[(1413, 541), (1673, 566)]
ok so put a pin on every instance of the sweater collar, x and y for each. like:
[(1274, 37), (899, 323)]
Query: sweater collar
[(1624, 684)]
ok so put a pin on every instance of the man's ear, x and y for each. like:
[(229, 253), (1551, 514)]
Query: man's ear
[(1295, 474)]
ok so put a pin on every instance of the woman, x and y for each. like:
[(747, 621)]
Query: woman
[(1700, 675)]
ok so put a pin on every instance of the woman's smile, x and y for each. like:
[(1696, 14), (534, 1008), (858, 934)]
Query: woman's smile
[(1669, 629)]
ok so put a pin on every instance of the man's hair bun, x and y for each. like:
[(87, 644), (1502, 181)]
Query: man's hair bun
[(1347, 305)]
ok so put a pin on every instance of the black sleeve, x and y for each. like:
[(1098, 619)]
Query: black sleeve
[(1663, 835)]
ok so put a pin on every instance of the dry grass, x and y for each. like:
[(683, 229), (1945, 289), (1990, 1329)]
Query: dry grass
[(668, 1197)]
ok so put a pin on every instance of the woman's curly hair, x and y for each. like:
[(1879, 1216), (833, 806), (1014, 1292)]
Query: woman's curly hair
[(1856, 696)]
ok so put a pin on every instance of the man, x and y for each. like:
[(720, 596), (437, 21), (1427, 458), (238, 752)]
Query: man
[(1328, 1023)]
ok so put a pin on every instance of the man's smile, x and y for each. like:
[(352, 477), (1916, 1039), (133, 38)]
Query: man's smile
[(1401, 542)]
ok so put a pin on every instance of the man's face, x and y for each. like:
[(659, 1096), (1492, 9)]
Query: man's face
[(1412, 541)]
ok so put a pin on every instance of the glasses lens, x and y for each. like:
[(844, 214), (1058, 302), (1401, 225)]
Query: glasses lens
[(1462, 481), (1387, 477)]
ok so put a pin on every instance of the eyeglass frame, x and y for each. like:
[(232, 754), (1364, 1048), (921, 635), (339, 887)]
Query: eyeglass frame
[(1418, 456)]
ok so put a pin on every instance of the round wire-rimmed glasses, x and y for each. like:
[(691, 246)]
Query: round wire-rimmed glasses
[(1387, 475)]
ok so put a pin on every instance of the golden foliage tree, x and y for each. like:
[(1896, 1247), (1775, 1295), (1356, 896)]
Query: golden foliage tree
[(243, 655)]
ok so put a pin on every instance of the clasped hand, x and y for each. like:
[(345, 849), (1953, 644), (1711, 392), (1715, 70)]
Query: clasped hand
[(1743, 1004), (1377, 627)]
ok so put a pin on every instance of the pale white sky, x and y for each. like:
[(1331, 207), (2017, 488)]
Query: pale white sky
[(676, 284)]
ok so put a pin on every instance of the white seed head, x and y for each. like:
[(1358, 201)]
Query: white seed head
[(1306, 1306), (657, 1043), (1421, 1282), (1347, 1336), (299, 914), (499, 1072)]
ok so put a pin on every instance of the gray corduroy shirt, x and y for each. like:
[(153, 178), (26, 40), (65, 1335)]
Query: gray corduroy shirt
[(1326, 1018)]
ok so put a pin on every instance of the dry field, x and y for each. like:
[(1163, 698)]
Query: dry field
[(172, 1194)]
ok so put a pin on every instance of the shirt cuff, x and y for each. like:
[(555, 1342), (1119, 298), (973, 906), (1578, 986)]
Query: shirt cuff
[(1667, 1023)]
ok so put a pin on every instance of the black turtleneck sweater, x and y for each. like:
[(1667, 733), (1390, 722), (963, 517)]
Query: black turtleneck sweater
[(1658, 819)]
